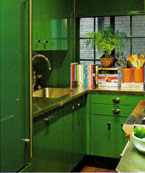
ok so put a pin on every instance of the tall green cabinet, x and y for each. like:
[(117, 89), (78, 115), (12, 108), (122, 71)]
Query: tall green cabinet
[(14, 85)]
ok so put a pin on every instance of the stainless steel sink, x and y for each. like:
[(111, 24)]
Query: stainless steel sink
[(52, 92)]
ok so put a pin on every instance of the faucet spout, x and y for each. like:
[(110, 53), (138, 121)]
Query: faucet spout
[(43, 57)]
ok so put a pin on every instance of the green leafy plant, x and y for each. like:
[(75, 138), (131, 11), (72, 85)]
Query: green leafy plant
[(106, 41)]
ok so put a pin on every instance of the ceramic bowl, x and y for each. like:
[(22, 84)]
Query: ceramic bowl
[(139, 143)]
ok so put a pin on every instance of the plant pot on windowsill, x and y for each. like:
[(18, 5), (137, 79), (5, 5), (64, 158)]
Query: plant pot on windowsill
[(107, 62)]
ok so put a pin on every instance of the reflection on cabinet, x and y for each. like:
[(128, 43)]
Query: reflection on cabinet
[(50, 35)]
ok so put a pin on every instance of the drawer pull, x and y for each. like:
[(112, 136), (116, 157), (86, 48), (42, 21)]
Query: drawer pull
[(73, 107), (78, 104), (116, 111), (116, 100)]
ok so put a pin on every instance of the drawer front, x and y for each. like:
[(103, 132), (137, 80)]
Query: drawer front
[(116, 99), (103, 109)]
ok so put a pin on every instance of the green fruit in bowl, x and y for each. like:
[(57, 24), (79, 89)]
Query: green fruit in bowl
[(139, 131)]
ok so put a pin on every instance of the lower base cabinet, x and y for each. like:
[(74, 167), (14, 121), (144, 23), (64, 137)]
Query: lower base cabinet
[(102, 136), (59, 138), (48, 148), (107, 137)]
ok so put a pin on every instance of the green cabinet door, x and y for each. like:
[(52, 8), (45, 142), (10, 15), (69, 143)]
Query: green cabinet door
[(48, 153), (103, 136), (50, 30), (80, 128), (69, 135), (14, 85), (121, 140)]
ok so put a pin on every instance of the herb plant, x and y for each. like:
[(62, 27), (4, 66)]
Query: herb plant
[(106, 41)]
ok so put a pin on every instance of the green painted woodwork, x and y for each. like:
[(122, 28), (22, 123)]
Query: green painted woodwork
[(88, 124), (124, 99), (80, 128), (48, 154), (102, 139), (14, 85), (121, 140), (110, 142), (69, 133), (74, 132), (107, 8), (51, 24), (108, 109)]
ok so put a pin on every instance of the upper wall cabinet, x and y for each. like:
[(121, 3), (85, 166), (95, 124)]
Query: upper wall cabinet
[(50, 24)]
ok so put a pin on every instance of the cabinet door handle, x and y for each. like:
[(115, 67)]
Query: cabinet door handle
[(109, 125), (122, 126), (116, 100), (116, 111), (49, 118), (26, 140)]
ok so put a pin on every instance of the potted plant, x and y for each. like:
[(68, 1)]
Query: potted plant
[(106, 41)]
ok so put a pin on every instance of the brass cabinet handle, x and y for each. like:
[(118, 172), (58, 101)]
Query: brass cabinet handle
[(116, 100), (116, 111), (73, 107), (26, 140), (78, 104), (49, 118)]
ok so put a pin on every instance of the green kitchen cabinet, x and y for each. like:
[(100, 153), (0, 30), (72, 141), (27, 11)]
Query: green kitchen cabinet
[(69, 135), (103, 136), (80, 128), (50, 30), (121, 140), (48, 153), (110, 110), (74, 131)]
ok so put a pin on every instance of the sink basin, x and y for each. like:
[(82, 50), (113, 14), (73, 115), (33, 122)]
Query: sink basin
[(52, 92)]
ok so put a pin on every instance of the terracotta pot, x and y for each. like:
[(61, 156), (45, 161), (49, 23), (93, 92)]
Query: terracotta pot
[(139, 75), (127, 75), (107, 62)]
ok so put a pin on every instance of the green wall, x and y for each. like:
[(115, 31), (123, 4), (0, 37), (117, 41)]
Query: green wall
[(108, 7)]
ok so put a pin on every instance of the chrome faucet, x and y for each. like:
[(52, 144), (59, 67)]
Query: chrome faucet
[(43, 57), (34, 76)]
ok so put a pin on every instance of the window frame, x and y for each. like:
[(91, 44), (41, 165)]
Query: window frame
[(112, 24)]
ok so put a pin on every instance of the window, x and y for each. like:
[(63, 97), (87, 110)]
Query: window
[(133, 26)]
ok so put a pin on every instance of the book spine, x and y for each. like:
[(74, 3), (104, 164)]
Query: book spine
[(72, 75), (82, 75), (85, 75), (78, 75)]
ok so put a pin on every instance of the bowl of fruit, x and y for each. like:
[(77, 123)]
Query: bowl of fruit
[(139, 138)]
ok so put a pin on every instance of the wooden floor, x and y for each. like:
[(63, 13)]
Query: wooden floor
[(94, 169), (96, 164)]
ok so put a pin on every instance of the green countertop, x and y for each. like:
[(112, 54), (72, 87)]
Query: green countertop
[(42, 105), (132, 160)]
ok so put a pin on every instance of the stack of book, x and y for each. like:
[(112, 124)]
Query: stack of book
[(83, 75), (108, 77)]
